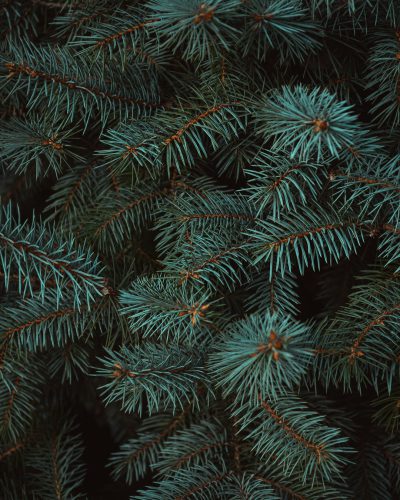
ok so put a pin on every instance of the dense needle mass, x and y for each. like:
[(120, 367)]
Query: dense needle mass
[(199, 249)]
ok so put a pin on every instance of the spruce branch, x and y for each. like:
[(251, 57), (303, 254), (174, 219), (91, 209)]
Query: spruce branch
[(162, 308), (139, 453), (74, 84), (19, 396), (36, 251), (287, 429), (260, 356), (278, 23), (308, 124), (39, 144), (166, 377), (196, 29), (55, 462), (277, 184), (278, 294), (305, 240)]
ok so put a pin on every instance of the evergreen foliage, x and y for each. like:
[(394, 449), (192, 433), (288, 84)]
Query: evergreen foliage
[(199, 249)]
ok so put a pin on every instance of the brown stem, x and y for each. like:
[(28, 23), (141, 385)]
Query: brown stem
[(317, 449), (178, 134)]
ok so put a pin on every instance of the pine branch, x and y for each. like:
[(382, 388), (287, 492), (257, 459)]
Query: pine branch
[(132, 148), (201, 482), (373, 189), (308, 124), (278, 23), (189, 215), (164, 309), (281, 185), (287, 430), (70, 361), (278, 294), (37, 144), (79, 18), (35, 325), (211, 262), (360, 343), (389, 242), (121, 29), (118, 215), (136, 455), (383, 77), (247, 485), (72, 190), (197, 445), (261, 356), (387, 411), (305, 240), (55, 468), (37, 252), (21, 387), (166, 377), (81, 86), (195, 29)]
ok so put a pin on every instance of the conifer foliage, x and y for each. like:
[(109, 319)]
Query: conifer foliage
[(199, 249)]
